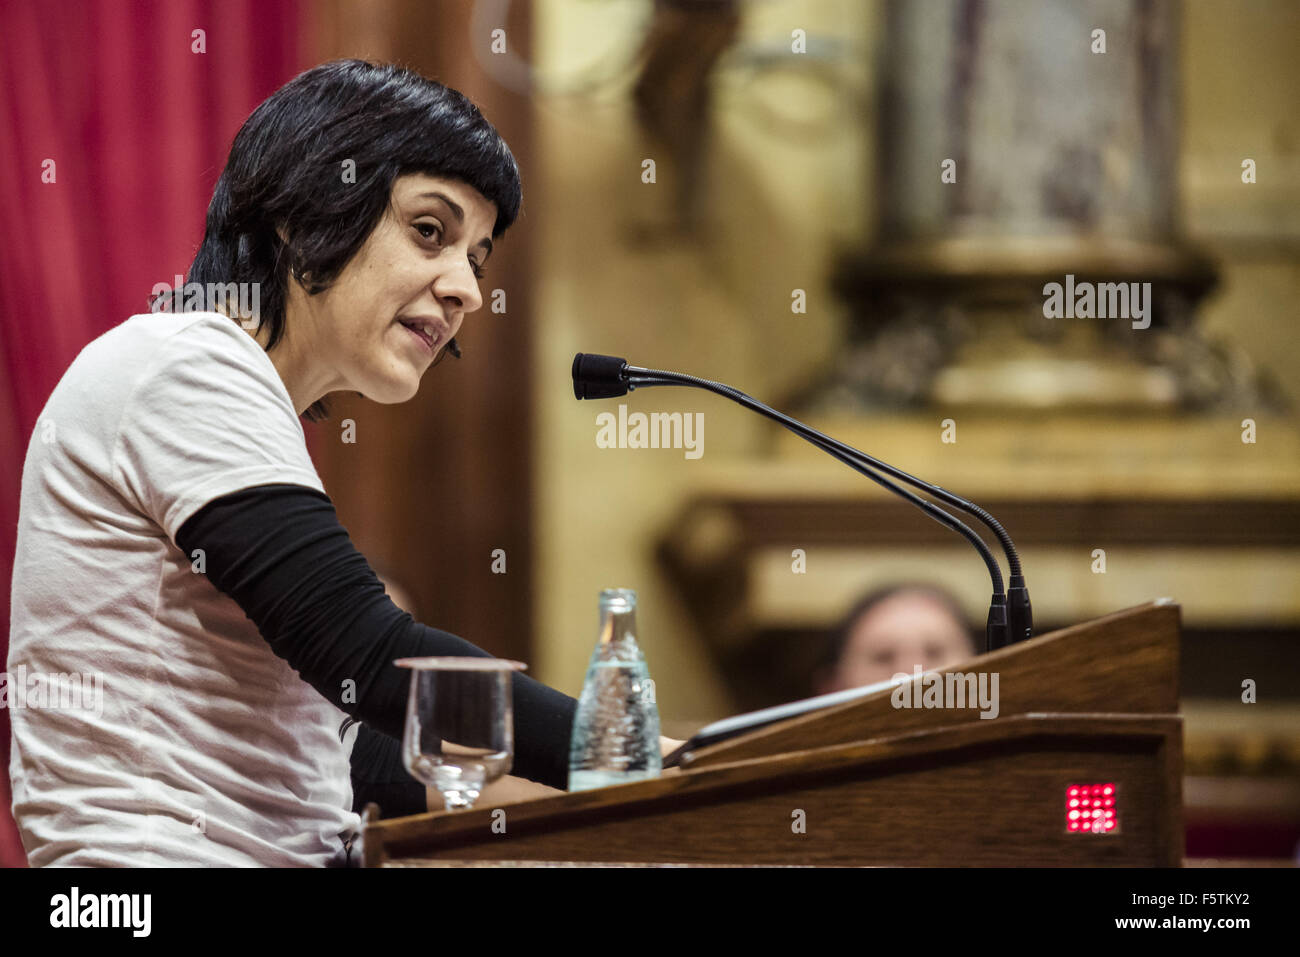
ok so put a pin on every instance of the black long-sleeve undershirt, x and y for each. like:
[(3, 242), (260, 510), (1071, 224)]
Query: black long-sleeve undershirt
[(281, 554), (378, 775)]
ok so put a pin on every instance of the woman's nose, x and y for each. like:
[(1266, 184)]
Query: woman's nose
[(459, 287)]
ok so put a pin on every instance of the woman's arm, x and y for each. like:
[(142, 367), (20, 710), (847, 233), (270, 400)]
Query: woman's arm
[(379, 776), (280, 553)]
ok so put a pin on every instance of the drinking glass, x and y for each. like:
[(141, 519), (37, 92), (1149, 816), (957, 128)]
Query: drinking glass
[(459, 732)]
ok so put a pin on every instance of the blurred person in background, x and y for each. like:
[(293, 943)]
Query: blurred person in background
[(892, 630)]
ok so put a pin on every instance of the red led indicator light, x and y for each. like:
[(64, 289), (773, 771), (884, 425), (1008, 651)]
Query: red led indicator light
[(1091, 808)]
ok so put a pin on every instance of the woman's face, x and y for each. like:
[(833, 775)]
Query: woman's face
[(399, 300), (905, 630)]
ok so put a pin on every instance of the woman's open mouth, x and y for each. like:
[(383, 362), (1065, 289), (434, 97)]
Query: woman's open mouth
[(427, 338)]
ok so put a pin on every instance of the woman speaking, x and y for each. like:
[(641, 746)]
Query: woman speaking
[(175, 538)]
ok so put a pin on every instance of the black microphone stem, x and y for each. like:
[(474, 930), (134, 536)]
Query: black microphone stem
[(638, 376), (996, 632)]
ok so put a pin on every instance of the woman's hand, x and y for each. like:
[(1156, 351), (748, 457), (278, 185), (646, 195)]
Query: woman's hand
[(668, 745), (505, 790), (510, 789)]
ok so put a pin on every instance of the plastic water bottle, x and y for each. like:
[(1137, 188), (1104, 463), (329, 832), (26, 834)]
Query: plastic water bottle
[(616, 730)]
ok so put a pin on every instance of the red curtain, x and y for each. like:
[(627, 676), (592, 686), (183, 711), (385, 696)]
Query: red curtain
[(111, 101)]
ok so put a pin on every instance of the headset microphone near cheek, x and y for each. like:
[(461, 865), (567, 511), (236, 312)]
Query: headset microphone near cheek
[(452, 347)]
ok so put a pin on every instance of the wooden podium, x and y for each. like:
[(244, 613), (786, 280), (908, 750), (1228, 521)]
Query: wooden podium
[(869, 783)]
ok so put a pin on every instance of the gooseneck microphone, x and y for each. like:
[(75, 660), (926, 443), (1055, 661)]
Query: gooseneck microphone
[(1010, 613)]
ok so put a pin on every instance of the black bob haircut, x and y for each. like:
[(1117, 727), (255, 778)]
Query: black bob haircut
[(286, 175)]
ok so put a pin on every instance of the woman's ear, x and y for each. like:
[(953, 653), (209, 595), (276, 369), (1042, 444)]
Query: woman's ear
[(282, 233)]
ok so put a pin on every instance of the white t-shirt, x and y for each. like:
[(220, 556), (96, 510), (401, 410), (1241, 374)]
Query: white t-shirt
[(203, 748)]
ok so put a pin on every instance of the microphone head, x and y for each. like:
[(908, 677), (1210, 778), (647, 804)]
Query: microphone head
[(598, 377)]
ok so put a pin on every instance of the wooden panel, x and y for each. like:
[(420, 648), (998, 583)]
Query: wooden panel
[(991, 793)]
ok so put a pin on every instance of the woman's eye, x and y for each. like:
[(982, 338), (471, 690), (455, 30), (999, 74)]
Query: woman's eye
[(434, 231)]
